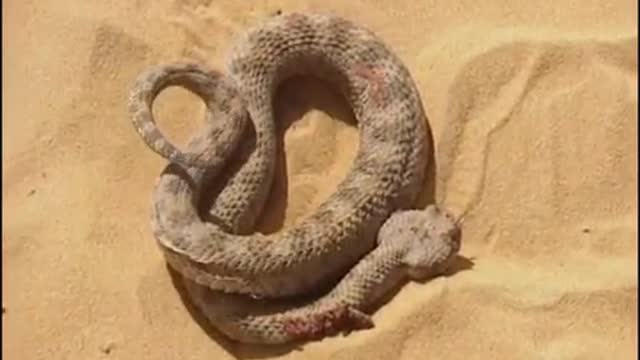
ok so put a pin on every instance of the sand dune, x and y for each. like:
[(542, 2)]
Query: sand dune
[(534, 116)]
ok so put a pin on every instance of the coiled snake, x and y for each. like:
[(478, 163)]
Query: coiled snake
[(365, 236)]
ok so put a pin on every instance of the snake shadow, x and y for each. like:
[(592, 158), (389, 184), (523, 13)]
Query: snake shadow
[(296, 97), (300, 94)]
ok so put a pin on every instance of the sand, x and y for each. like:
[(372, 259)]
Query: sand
[(533, 107)]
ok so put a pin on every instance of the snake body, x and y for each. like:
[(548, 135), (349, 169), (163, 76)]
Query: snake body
[(365, 237)]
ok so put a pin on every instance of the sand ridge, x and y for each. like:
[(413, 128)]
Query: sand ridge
[(533, 111)]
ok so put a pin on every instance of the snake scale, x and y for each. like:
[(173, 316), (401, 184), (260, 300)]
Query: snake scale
[(361, 241)]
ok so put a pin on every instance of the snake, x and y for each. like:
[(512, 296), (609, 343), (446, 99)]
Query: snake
[(364, 239)]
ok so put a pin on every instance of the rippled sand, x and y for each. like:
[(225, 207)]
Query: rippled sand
[(534, 115)]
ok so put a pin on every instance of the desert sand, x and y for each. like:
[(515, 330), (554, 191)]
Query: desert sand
[(533, 109)]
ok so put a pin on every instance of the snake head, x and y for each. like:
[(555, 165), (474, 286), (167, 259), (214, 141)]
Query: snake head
[(429, 239)]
